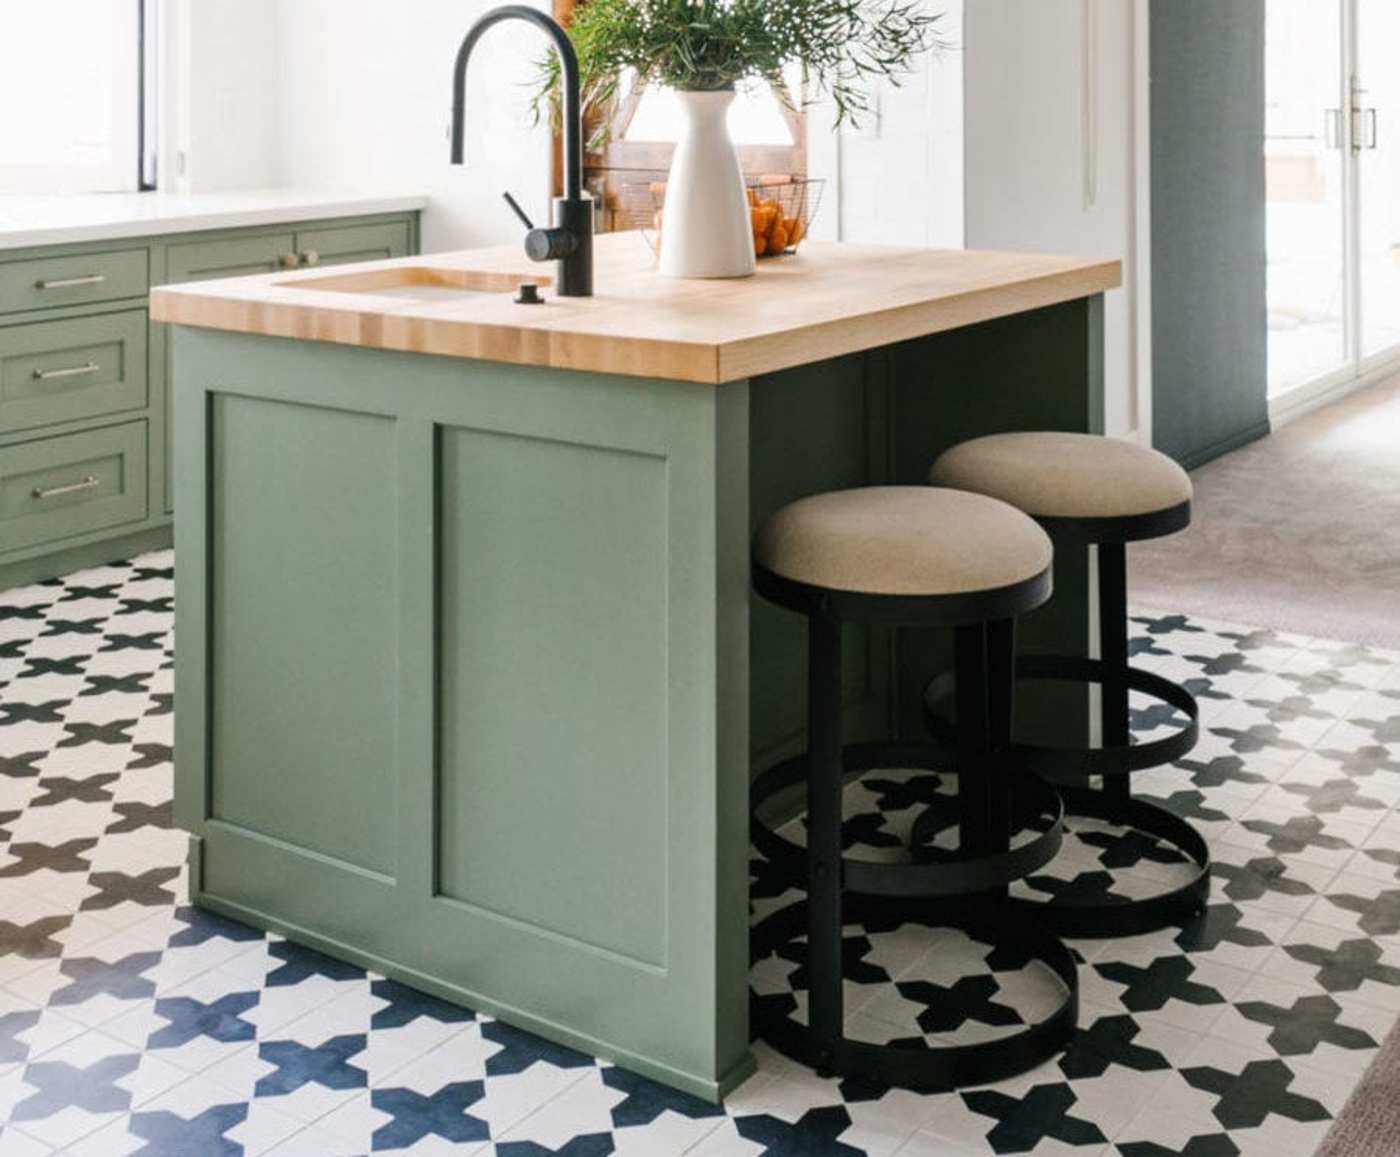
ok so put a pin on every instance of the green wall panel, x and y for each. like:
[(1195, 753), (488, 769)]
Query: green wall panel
[(553, 693), (302, 638), (1209, 245)]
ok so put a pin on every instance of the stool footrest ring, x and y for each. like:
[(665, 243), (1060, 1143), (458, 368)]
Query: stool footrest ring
[(1070, 765), (918, 1066), (938, 878), (1095, 919)]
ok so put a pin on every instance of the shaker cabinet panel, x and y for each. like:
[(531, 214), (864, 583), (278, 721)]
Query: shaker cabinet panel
[(81, 367), (344, 244), (236, 257)]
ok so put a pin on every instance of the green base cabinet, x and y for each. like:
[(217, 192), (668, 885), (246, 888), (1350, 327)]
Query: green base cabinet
[(82, 366), (469, 679)]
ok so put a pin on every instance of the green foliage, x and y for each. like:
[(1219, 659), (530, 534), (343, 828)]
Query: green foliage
[(708, 45)]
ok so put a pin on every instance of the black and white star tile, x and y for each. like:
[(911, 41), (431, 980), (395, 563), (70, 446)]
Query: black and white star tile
[(131, 1023)]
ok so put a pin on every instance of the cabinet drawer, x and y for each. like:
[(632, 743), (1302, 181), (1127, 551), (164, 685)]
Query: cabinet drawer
[(58, 371), (59, 487), (237, 257), (43, 282), (346, 243)]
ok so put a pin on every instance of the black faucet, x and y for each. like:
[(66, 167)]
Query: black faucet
[(570, 239)]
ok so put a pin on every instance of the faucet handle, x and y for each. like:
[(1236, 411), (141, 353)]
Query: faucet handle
[(518, 211), (543, 244)]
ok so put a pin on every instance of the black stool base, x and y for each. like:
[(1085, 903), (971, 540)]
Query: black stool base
[(923, 1068), (1099, 921), (1067, 768), (1037, 805)]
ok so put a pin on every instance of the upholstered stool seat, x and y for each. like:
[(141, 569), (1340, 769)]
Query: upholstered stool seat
[(903, 540), (908, 557), (1085, 489), (1084, 478)]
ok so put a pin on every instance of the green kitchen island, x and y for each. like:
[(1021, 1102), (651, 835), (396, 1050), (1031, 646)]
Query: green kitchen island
[(469, 680)]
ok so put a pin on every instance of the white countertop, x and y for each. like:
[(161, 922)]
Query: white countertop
[(27, 220)]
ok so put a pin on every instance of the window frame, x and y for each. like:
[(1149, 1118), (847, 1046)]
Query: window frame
[(121, 172)]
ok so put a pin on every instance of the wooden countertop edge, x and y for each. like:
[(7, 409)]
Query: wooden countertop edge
[(827, 339), (696, 362), (707, 362)]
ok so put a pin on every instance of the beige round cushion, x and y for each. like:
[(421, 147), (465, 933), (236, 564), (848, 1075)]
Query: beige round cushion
[(1055, 475), (902, 540)]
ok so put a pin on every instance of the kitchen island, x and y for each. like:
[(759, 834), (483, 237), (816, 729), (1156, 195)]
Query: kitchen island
[(469, 682)]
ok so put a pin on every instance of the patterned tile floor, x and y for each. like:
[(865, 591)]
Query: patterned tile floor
[(131, 1023)]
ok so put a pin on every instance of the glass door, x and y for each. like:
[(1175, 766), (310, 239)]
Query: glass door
[(1332, 170), (1305, 178), (1376, 149)]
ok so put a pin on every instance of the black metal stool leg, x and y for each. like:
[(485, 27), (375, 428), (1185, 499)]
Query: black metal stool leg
[(974, 781), (1113, 650), (824, 784), (1001, 703)]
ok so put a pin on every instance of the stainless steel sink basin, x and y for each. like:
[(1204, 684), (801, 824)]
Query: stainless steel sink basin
[(418, 283)]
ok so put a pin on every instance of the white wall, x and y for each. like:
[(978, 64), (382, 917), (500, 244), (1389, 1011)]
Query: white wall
[(898, 178), (365, 94), (1050, 163), (221, 78)]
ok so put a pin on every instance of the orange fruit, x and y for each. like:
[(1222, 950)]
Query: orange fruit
[(658, 188), (799, 231), (778, 239), (760, 244)]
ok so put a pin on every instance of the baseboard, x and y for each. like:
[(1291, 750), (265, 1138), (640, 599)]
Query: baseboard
[(89, 554), (1225, 445), (1292, 404), (713, 1089)]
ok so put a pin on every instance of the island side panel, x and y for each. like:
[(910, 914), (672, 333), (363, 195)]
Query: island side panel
[(548, 571), (1041, 370), (882, 417), (815, 428)]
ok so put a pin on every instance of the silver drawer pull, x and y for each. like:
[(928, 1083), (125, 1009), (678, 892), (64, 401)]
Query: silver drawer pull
[(70, 372), (70, 282), (72, 488)]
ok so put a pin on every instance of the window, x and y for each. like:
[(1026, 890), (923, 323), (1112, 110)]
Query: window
[(71, 95), (755, 118)]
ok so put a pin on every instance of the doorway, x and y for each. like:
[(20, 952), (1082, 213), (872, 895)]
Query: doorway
[(1332, 164)]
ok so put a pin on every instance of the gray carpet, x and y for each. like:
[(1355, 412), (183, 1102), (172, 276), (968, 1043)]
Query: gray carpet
[(1299, 531), (1369, 1123)]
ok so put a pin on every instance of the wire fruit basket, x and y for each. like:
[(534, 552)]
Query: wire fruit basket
[(780, 209)]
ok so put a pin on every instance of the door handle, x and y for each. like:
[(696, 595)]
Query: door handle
[(71, 282), (1332, 128), (70, 372), (72, 488), (1365, 129)]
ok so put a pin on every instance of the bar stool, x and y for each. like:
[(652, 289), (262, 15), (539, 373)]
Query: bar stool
[(908, 557), (1086, 489)]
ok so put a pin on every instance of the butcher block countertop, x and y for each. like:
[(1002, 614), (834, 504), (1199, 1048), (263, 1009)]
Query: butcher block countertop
[(828, 299)]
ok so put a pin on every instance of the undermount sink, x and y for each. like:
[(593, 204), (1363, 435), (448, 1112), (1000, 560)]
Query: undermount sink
[(418, 283)]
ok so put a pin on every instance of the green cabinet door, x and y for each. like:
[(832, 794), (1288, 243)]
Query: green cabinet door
[(235, 257), (343, 244), (59, 487), (208, 261), (74, 368)]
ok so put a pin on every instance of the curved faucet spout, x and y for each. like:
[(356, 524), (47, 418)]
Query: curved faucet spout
[(568, 59)]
